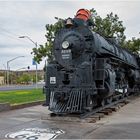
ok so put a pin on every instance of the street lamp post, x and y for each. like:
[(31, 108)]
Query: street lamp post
[(21, 68), (35, 43), (8, 68)]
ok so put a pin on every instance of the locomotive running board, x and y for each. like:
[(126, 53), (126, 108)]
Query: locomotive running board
[(87, 114)]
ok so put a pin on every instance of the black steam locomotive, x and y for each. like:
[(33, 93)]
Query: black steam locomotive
[(89, 70)]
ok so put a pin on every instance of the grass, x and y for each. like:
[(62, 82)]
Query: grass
[(21, 96)]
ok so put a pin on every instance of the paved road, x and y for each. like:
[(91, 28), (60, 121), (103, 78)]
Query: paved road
[(122, 124), (17, 87)]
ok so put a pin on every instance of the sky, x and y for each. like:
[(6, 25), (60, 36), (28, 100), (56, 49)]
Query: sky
[(28, 18)]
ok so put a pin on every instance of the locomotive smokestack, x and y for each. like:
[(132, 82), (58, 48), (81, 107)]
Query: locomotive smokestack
[(83, 14)]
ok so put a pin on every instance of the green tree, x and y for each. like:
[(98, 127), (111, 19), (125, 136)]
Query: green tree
[(34, 78), (110, 26), (24, 79), (47, 49), (132, 45), (12, 78)]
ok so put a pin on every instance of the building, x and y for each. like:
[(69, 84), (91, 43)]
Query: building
[(1, 80), (14, 75), (40, 73)]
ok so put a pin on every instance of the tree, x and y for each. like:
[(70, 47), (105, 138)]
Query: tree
[(25, 79), (34, 78), (110, 26), (132, 45), (12, 78), (47, 49)]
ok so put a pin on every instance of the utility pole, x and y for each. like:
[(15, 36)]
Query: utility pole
[(4, 74), (35, 43), (8, 68)]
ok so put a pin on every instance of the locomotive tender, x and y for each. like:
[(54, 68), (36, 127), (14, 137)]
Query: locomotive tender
[(89, 70)]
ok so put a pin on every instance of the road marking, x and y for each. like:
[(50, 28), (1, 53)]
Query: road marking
[(35, 134)]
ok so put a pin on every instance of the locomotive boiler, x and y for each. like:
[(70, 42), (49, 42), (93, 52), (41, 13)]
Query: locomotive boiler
[(89, 70)]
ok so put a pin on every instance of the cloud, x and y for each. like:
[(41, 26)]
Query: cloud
[(29, 18)]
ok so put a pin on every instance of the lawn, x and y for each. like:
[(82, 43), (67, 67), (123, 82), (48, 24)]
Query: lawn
[(21, 96)]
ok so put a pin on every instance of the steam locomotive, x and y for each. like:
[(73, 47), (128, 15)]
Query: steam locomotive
[(89, 70)]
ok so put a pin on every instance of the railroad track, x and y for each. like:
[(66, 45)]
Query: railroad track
[(93, 116)]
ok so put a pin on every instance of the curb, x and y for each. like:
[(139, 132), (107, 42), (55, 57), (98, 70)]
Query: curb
[(7, 106), (4, 107)]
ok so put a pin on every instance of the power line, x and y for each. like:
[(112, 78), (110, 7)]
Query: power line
[(11, 35), (8, 31)]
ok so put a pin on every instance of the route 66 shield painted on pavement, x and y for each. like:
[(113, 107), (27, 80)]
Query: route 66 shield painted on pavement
[(35, 134)]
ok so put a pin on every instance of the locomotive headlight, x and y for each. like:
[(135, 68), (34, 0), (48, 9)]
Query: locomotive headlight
[(65, 44)]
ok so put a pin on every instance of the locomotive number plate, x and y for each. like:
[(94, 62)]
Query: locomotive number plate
[(66, 54)]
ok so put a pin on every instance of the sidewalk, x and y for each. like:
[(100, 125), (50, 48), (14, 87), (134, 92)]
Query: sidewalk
[(124, 123)]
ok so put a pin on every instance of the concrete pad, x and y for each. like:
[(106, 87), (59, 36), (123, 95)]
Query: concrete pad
[(125, 123)]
